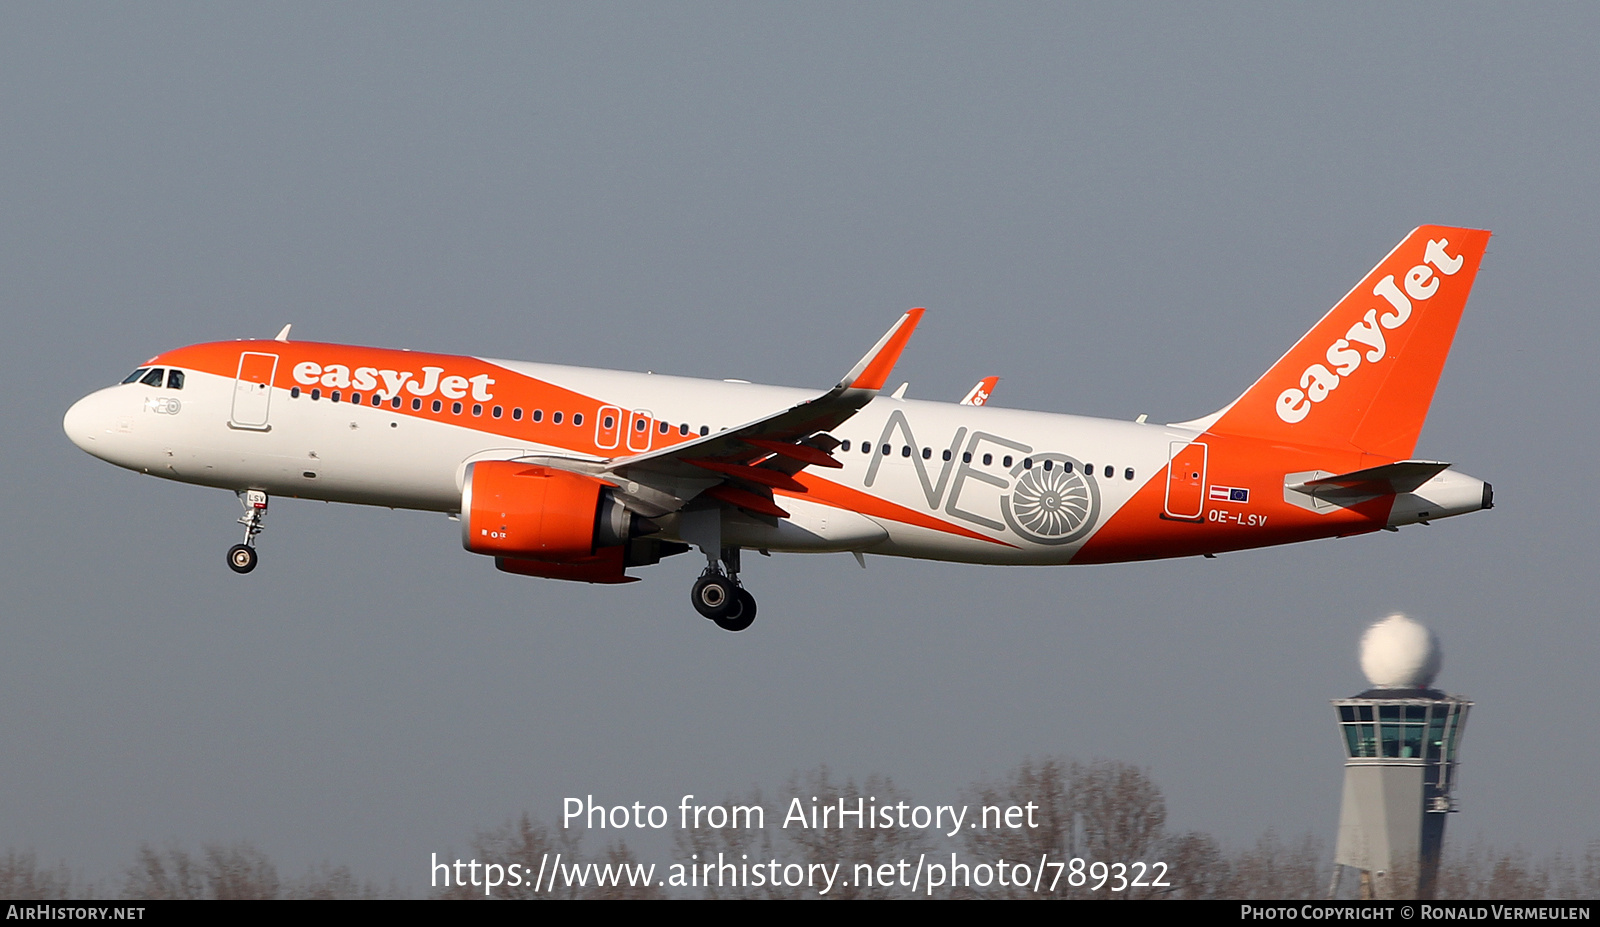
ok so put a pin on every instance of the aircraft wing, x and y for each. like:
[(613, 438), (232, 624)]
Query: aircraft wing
[(742, 465)]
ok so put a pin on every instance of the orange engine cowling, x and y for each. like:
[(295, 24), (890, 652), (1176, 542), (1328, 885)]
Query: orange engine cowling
[(527, 512), (606, 566)]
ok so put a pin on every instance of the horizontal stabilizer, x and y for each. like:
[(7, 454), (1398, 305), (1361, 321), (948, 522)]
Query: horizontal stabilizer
[(1401, 476)]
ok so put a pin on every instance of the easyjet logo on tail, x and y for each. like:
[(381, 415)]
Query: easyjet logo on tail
[(1344, 355)]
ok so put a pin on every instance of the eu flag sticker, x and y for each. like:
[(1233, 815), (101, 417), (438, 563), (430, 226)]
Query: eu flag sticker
[(1229, 494)]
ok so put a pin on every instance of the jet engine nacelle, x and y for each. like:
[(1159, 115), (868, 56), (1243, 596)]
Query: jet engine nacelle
[(529, 512)]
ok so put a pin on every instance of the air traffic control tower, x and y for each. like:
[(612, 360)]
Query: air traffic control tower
[(1400, 739)]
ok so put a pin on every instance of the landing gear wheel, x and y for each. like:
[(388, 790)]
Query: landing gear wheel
[(713, 595), (741, 611), (242, 558)]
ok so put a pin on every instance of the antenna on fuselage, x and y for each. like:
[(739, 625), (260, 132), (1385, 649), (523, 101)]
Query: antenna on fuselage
[(284, 335)]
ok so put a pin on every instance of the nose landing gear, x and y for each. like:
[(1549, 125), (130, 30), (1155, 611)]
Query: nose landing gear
[(242, 558), (719, 597)]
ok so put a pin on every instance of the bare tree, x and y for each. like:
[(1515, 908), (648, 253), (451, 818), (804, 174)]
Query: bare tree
[(1482, 873), (1196, 868), (1274, 868), (239, 871), (853, 847), (236, 870), (1122, 813), (22, 878), (529, 845), (1085, 815), (1576, 879), (734, 841), (327, 882), (164, 875)]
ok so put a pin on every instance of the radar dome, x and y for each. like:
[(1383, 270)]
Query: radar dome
[(1398, 653)]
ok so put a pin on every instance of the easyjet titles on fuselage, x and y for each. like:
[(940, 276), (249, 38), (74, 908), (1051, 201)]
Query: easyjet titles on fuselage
[(366, 379)]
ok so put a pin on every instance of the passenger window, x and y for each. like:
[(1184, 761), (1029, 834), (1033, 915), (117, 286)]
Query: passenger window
[(1110, 470), (174, 379), (154, 377), (1006, 462), (988, 459), (133, 377), (377, 400), (905, 450), (416, 405), (866, 448), (334, 396), (496, 411), (684, 429), (477, 409), (1088, 469), (516, 414), (316, 394), (396, 402), (555, 418), (608, 422), (455, 408), (966, 457), (665, 427), (927, 453), (705, 430), (1127, 474), (294, 392), (844, 445), (538, 415), (577, 418), (1048, 463), (946, 455), (640, 425), (887, 450), (355, 398)]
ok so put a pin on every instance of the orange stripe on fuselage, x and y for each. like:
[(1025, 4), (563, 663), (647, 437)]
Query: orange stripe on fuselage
[(1139, 530), (854, 500), (510, 390)]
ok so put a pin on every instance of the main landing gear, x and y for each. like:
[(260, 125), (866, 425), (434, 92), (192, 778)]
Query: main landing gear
[(242, 558), (717, 595)]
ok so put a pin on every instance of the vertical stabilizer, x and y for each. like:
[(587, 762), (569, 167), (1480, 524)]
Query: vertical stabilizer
[(1364, 375)]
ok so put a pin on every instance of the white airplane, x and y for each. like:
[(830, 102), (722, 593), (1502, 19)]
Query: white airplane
[(580, 474)]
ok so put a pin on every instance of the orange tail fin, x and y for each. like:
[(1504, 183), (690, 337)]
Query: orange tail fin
[(1363, 377)]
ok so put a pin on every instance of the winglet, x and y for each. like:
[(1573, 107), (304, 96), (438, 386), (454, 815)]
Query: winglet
[(980, 394), (871, 371), (284, 335)]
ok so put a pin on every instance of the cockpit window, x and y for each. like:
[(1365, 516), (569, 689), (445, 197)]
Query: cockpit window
[(130, 378), (174, 379), (154, 377)]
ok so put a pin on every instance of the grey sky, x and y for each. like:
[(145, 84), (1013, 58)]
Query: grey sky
[(1119, 209)]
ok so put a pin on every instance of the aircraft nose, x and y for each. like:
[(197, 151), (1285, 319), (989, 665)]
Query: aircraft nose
[(84, 422)]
